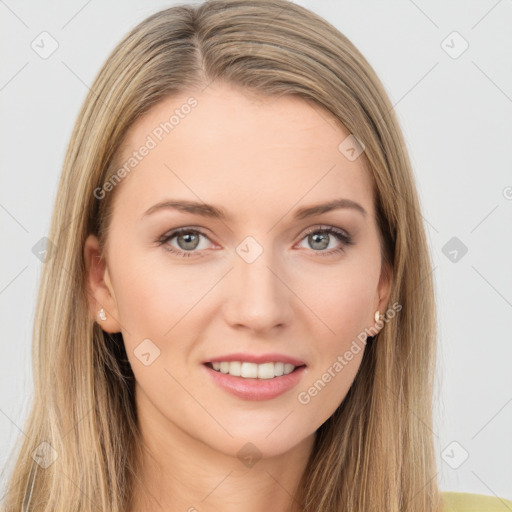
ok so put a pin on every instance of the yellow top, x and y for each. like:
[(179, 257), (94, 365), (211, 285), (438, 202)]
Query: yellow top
[(467, 502)]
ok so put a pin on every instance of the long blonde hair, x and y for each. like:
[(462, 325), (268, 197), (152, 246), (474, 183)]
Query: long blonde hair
[(376, 452)]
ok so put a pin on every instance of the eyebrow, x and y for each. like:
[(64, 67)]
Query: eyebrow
[(215, 212)]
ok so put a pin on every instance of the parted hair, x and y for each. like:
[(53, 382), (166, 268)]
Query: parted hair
[(376, 452)]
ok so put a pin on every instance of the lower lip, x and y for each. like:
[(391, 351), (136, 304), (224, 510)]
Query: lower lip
[(256, 389)]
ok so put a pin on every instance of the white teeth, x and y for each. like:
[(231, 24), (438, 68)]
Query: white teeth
[(266, 371), (249, 370), (253, 370), (235, 368), (288, 368)]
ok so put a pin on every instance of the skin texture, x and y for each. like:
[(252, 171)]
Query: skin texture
[(259, 159)]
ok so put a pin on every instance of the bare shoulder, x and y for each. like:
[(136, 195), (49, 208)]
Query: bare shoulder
[(468, 502)]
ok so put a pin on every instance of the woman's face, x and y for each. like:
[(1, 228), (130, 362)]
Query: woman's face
[(253, 277)]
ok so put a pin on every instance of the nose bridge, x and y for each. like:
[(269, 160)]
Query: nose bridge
[(259, 300)]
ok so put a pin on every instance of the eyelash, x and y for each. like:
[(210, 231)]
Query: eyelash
[(340, 235)]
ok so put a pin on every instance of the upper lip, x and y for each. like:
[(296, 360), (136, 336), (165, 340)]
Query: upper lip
[(257, 358)]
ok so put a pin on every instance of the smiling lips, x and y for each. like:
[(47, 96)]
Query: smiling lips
[(251, 366), (255, 377), (253, 370)]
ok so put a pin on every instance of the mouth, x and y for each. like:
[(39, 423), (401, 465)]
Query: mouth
[(255, 381), (254, 371)]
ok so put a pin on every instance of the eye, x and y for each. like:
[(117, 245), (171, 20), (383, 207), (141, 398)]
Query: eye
[(188, 241), (319, 238)]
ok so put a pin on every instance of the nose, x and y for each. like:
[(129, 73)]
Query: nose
[(258, 298)]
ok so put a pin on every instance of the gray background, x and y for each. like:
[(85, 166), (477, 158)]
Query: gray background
[(455, 111)]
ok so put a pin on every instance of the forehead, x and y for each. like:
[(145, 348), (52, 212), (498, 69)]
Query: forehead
[(240, 149)]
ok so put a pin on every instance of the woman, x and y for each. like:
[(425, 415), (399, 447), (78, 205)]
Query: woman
[(239, 310)]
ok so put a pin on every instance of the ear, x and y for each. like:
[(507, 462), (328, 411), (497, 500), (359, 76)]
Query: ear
[(383, 292), (384, 287), (99, 288)]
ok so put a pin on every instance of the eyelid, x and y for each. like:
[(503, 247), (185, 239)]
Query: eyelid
[(325, 227)]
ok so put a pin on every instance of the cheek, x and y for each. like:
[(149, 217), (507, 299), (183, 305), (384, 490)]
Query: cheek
[(157, 299), (342, 299), (337, 355), (349, 304), (152, 289)]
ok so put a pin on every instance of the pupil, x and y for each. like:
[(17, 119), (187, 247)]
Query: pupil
[(318, 238), (189, 239)]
